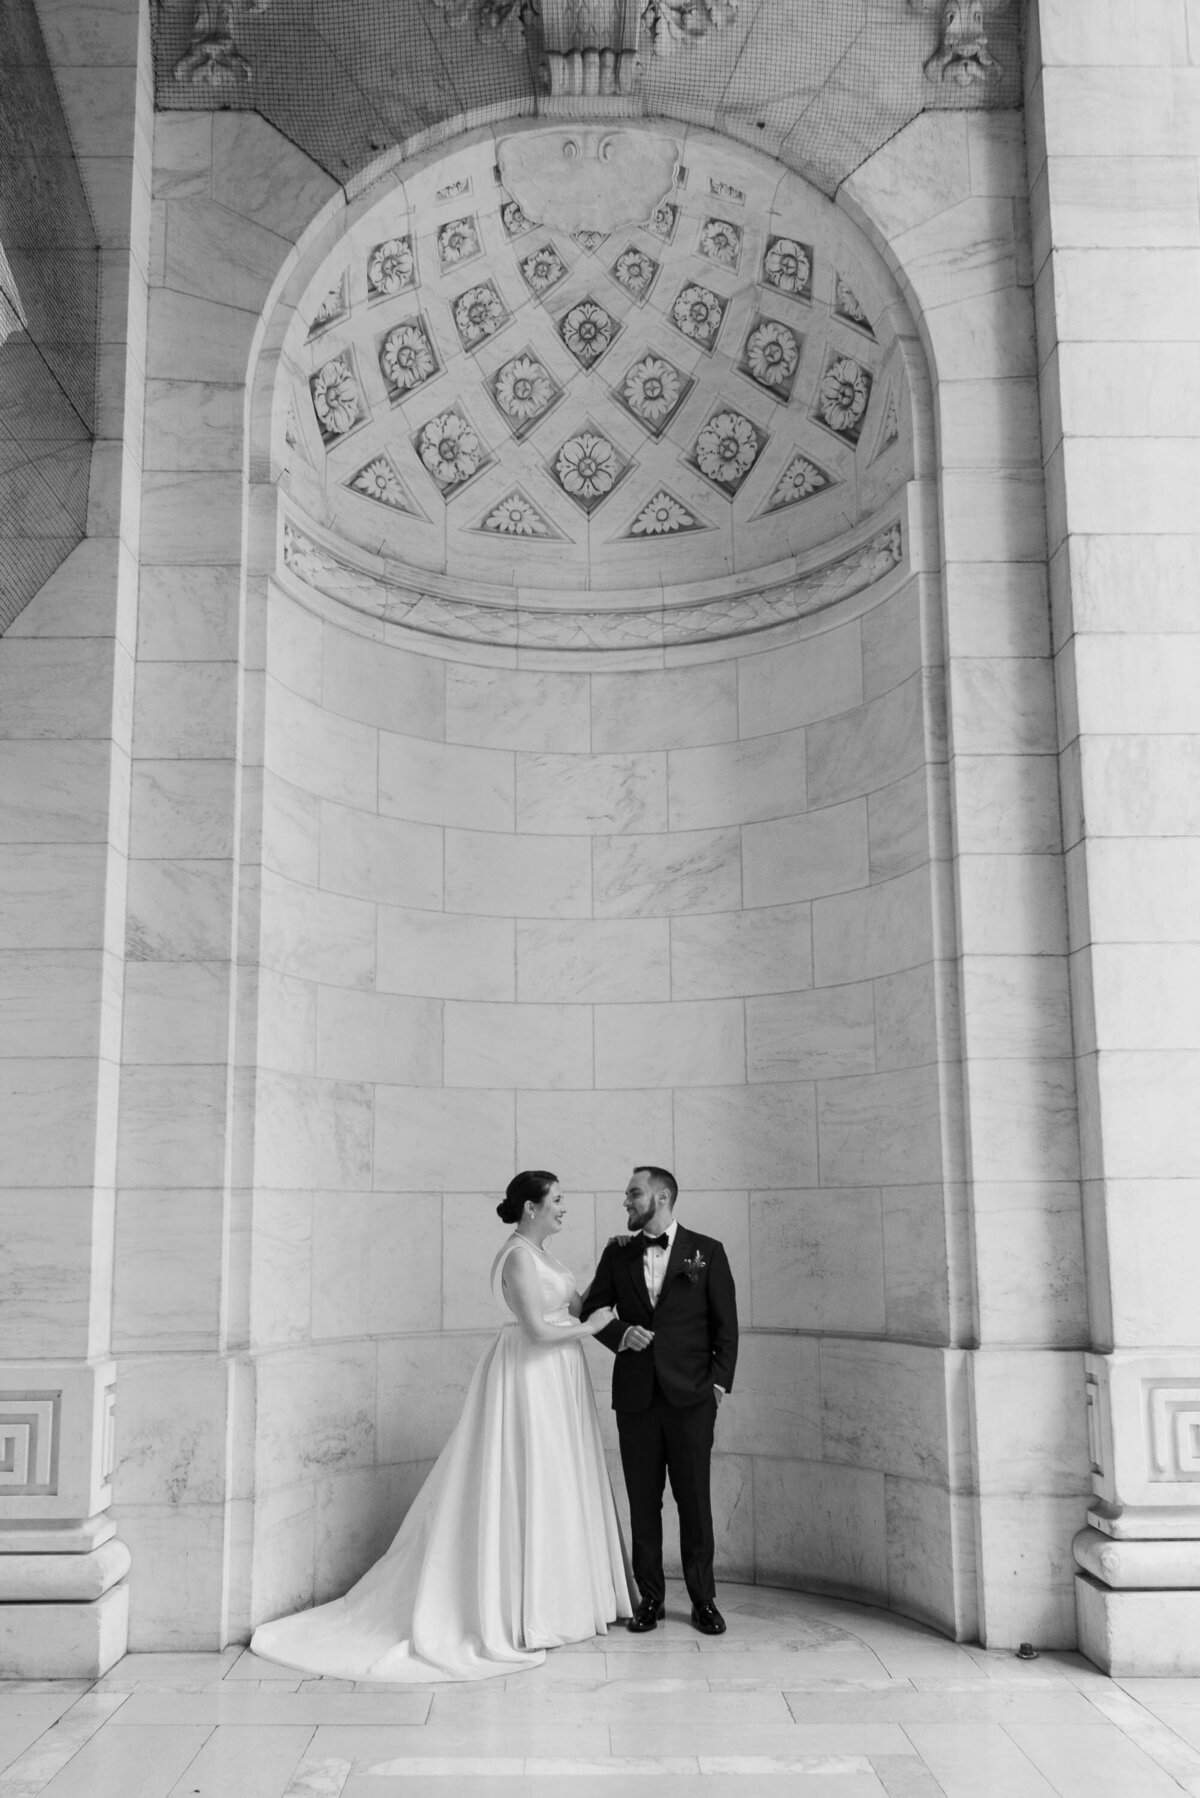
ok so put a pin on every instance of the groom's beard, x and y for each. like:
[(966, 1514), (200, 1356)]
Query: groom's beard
[(641, 1218)]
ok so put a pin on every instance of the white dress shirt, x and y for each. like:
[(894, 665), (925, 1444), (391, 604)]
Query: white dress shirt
[(654, 1267), (654, 1262)]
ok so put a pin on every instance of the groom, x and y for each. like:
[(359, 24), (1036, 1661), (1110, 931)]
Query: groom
[(675, 1341)]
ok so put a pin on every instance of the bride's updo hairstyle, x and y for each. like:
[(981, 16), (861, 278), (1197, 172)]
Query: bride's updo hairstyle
[(529, 1188)]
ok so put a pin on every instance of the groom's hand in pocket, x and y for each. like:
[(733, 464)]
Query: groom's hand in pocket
[(636, 1337)]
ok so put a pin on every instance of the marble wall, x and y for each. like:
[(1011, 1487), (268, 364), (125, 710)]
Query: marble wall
[(1116, 254), (67, 667), (789, 916), (520, 916)]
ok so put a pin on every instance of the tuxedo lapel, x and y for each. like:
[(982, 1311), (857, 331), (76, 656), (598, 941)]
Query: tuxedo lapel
[(637, 1272), (674, 1260)]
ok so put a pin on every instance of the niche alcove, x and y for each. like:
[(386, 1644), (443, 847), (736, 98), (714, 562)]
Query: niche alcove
[(601, 822), (657, 757)]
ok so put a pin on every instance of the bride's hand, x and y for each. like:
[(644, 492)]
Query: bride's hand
[(620, 1239), (600, 1320)]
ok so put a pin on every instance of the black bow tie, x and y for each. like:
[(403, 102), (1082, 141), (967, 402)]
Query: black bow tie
[(654, 1242)]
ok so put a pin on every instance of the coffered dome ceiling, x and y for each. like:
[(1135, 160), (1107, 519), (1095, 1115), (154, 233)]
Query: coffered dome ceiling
[(716, 390)]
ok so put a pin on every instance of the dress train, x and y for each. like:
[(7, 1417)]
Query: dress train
[(512, 1545)]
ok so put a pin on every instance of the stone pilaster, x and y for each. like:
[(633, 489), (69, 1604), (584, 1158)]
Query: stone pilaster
[(1116, 235), (1138, 1588), (66, 700), (64, 1602)]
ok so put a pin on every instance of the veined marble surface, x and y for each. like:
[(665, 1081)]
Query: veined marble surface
[(804, 1692)]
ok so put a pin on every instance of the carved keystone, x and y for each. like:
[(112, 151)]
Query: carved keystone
[(587, 178)]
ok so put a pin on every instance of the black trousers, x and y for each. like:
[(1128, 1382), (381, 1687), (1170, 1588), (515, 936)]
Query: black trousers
[(672, 1441)]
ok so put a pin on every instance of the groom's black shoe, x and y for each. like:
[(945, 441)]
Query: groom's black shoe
[(648, 1616), (708, 1620)]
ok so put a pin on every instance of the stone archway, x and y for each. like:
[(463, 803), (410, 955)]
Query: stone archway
[(221, 1149), (619, 790)]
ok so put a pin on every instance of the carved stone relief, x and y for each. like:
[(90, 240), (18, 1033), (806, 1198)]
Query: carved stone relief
[(590, 47), (708, 386), (551, 627), (962, 53), (588, 177), (670, 23), (212, 56), (506, 20)]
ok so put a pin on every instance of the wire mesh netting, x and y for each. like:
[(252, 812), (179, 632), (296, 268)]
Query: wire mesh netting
[(49, 287), (819, 83)]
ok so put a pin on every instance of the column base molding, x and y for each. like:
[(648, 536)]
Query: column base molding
[(1135, 1566), (55, 1578), (64, 1641), (49, 1537), (1146, 1635)]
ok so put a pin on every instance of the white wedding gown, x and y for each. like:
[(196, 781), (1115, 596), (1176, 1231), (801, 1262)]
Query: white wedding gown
[(511, 1547)]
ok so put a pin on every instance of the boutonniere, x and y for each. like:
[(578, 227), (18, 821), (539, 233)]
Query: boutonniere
[(694, 1266)]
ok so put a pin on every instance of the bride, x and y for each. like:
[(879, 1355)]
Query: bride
[(512, 1546)]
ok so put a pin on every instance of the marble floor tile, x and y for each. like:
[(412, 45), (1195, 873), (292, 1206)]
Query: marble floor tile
[(166, 1672), (318, 1777), (49, 1754), (253, 1763), (1050, 1667), (799, 1669), (1092, 1763), (666, 1737), (22, 1722), (654, 1785), (1176, 1750), (765, 1766), (904, 1776), (512, 1766), (906, 1662), (687, 1703), (245, 1665), (1153, 1692), (1183, 1719), (129, 1763), (977, 1760), (65, 1690), (670, 1663), (666, 1639), (226, 1704), (1082, 1674), (366, 1747), (804, 1697), (984, 1702)]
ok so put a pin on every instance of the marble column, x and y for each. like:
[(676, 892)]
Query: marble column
[(66, 686), (1113, 111), (1011, 1266)]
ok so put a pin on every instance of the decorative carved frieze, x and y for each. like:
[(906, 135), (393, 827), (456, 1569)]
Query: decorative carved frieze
[(562, 628), (962, 53), (590, 47), (212, 56)]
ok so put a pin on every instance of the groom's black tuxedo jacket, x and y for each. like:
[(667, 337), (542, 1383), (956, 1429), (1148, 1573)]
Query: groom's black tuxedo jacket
[(694, 1322)]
